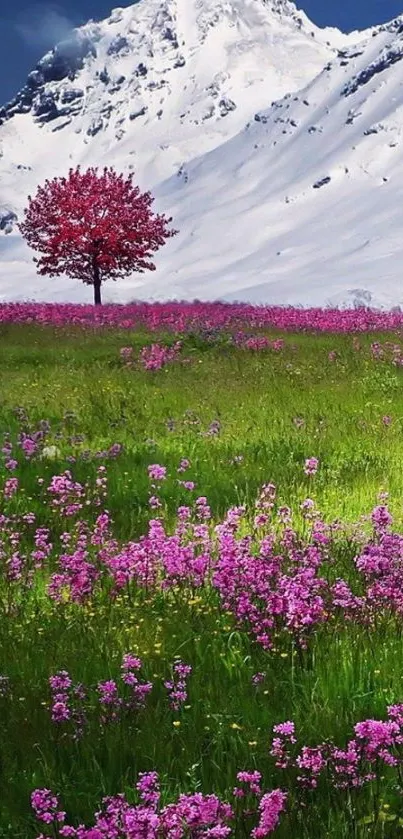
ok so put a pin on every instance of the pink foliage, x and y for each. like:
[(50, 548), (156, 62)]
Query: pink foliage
[(93, 226)]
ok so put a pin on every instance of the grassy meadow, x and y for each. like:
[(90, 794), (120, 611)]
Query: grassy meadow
[(243, 419)]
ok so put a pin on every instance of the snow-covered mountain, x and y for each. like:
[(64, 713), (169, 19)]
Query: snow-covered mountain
[(273, 143)]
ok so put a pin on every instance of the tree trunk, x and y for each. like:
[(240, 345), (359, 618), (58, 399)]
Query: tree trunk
[(97, 293), (97, 282)]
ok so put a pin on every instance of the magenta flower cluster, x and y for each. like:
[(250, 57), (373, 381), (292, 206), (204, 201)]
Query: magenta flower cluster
[(388, 351), (197, 317), (376, 744), (272, 588), (275, 581), (311, 466), (152, 357), (73, 703), (257, 343), (115, 702), (67, 704), (177, 685), (158, 356), (41, 442), (250, 784), (196, 815)]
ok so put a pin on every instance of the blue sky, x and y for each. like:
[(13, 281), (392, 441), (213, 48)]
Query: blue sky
[(28, 30)]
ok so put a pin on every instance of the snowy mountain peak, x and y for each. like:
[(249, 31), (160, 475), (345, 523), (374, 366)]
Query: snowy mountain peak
[(167, 36), (184, 73)]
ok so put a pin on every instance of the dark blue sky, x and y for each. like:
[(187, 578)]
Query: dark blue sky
[(28, 30)]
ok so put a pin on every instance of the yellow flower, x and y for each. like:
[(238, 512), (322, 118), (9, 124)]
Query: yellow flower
[(252, 743), (235, 726), (176, 723)]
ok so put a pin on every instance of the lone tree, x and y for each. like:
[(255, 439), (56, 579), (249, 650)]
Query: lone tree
[(93, 226)]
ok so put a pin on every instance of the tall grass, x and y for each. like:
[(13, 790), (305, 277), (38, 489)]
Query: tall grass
[(272, 411)]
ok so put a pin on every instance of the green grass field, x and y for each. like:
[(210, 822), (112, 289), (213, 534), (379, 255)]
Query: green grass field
[(270, 411)]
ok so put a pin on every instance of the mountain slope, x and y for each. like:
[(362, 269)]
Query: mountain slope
[(314, 185), (181, 91)]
